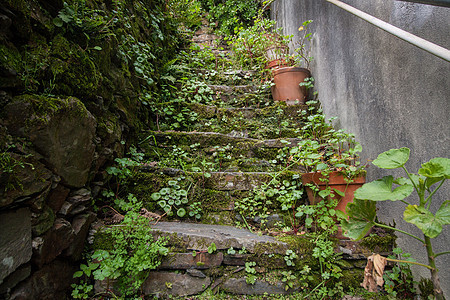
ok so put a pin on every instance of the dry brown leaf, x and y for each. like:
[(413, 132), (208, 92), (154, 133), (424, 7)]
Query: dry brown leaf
[(117, 218), (373, 273), (150, 215)]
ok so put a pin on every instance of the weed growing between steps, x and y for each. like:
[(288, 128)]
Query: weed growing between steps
[(123, 263), (123, 251)]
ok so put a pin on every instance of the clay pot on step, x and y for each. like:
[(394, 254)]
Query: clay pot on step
[(287, 87), (276, 64), (336, 181)]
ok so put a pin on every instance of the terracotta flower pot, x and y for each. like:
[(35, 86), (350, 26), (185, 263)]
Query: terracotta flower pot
[(336, 181), (287, 87), (276, 63)]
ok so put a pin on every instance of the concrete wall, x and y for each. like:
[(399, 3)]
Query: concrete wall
[(386, 91)]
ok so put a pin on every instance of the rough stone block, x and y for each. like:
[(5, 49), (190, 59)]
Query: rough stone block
[(33, 179), (235, 259), (167, 283), (13, 279), (80, 225), (49, 246), (15, 237), (201, 260), (240, 287), (57, 197), (199, 236), (41, 222), (62, 130), (75, 201), (50, 282)]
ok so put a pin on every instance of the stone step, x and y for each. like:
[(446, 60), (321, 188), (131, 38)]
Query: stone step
[(241, 95), (224, 75), (194, 265), (194, 272), (211, 151), (262, 123), (219, 181), (216, 194), (188, 237), (267, 122), (207, 40)]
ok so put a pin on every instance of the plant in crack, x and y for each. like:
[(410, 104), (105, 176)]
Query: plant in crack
[(128, 256)]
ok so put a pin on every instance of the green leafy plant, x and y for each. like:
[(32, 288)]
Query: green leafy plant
[(250, 272), (124, 169), (231, 251), (83, 289), (428, 180), (285, 193), (131, 254), (289, 279), (302, 56), (195, 210), (229, 14), (399, 282), (290, 257), (173, 197), (322, 216), (212, 248)]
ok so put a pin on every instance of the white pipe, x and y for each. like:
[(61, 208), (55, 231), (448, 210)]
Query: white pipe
[(404, 35)]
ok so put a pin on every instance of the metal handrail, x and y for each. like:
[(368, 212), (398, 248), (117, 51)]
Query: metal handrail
[(400, 33), (445, 3)]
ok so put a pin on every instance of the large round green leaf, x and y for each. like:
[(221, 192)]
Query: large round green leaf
[(181, 212), (156, 196), (392, 159), (431, 225), (381, 190), (438, 167), (361, 217)]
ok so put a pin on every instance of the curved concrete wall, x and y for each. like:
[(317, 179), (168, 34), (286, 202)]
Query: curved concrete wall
[(388, 92)]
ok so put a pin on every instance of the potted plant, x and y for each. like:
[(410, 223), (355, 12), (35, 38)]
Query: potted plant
[(331, 159), (265, 50), (331, 173), (288, 82), (259, 46), (276, 49)]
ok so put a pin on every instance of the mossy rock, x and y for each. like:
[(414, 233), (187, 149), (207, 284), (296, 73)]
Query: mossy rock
[(377, 243), (73, 68), (11, 65)]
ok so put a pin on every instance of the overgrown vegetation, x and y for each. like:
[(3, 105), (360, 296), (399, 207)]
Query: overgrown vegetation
[(133, 60)]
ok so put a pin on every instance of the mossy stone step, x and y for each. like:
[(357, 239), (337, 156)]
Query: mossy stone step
[(219, 181), (219, 270), (215, 151), (224, 76), (240, 95), (209, 139), (198, 237), (216, 194), (268, 122)]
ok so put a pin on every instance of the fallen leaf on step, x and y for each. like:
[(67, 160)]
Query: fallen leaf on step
[(373, 273)]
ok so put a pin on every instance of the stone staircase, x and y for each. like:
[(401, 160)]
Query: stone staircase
[(239, 142)]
